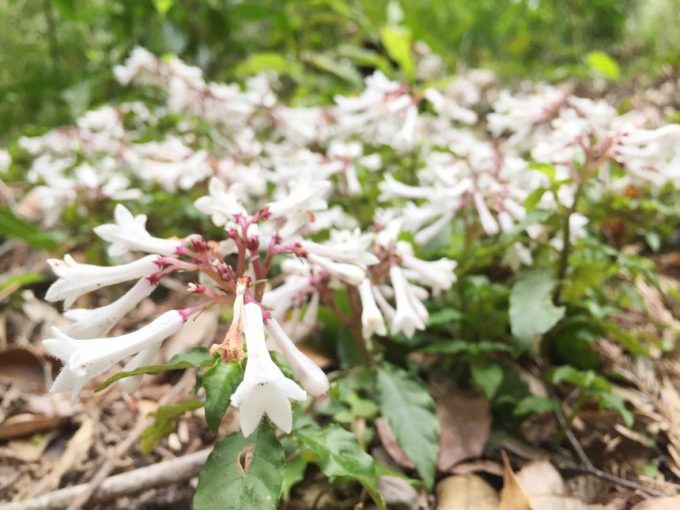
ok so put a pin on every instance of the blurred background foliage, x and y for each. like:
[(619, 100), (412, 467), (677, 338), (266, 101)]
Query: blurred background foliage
[(57, 55)]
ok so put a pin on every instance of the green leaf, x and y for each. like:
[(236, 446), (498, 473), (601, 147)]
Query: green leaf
[(219, 383), (532, 311), (397, 42), (163, 6), (465, 347), (444, 317), (266, 61), (603, 64), (17, 228), (21, 280), (295, 472), (242, 472), (534, 404), (340, 455), (584, 379), (409, 408), (164, 423), (488, 377), (195, 357)]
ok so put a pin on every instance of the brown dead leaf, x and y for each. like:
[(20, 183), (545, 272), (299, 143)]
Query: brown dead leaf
[(389, 442), (513, 496), (466, 492), (672, 503), (478, 466), (465, 425), (23, 450), (25, 424), (537, 486), (398, 493), (23, 368), (540, 478)]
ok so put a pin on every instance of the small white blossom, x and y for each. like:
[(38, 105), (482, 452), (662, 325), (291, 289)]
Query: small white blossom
[(264, 390), (96, 322), (85, 359), (129, 234), (311, 377), (76, 279), (371, 319)]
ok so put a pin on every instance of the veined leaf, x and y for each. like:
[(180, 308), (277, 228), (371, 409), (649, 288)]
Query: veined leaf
[(339, 455), (242, 472), (532, 311), (219, 383), (409, 408)]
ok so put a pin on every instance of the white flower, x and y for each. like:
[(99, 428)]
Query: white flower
[(76, 279), (371, 318), (85, 359), (311, 377), (97, 322), (304, 196), (408, 317), (346, 272), (487, 220), (264, 390), (221, 204), (436, 274), (344, 246), (129, 234)]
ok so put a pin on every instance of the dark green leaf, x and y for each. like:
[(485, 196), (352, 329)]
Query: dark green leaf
[(219, 383), (15, 227), (532, 311), (242, 472), (340, 455), (488, 377), (533, 404), (409, 408), (164, 423)]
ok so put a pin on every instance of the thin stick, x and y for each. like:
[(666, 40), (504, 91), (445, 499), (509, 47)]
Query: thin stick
[(161, 474), (100, 476)]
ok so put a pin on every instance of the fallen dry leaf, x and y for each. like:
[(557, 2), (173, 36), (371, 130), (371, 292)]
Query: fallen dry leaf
[(513, 496), (25, 424), (672, 503), (539, 477), (466, 492), (401, 494), (465, 425), (537, 486), (25, 369), (478, 466)]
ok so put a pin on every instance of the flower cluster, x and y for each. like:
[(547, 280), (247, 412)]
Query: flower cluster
[(262, 314)]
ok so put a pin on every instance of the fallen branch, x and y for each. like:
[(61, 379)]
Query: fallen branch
[(162, 474)]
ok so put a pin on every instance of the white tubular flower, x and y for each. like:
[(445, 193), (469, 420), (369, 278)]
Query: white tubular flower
[(142, 359), (348, 273), (85, 359), (311, 377), (264, 390), (97, 322), (303, 196), (129, 234), (221, 203), (407, 318), (346, 247), (487, 220), (437, 274), (76, 279), (371, 319)]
